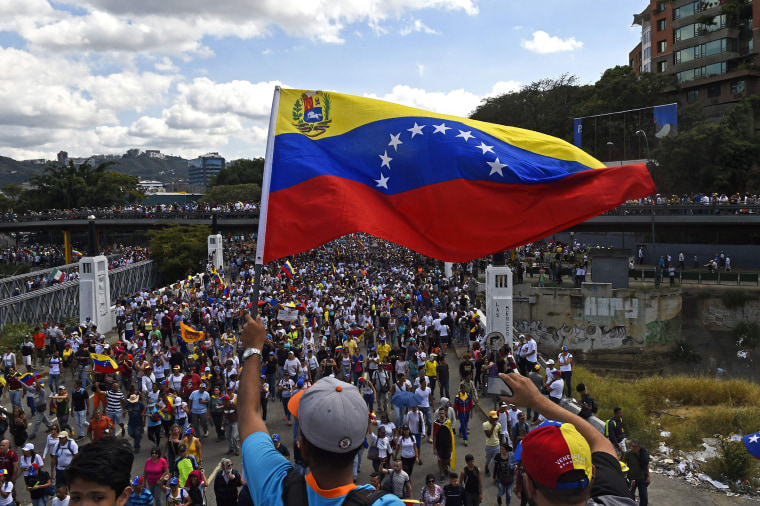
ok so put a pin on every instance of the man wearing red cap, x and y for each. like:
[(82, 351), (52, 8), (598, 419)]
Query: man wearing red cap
[(332, 419), (566, 461)]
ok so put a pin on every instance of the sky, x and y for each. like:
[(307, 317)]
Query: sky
[(189, 77)]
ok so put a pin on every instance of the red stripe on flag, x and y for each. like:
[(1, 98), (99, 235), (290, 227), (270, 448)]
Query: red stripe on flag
[(454, 221)]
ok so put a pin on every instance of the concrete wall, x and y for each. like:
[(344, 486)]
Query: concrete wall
[(595, 317)]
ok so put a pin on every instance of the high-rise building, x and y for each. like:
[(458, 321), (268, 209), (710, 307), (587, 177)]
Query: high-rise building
[(202, 169), (707, 44), (63, 157)]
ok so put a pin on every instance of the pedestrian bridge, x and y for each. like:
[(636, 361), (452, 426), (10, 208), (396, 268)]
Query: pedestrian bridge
[(54, 303)]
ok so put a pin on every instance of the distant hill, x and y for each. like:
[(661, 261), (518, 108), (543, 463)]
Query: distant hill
[(160, 169)]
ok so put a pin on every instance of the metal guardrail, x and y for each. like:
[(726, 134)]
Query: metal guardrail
[(54, 303), (698, 276)]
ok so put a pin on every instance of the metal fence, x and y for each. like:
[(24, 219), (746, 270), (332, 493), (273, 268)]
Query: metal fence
[(697, 276)]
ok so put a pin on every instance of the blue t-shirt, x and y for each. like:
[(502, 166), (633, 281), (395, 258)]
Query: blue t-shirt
[(199, 408), (265, 468), (144, 499)]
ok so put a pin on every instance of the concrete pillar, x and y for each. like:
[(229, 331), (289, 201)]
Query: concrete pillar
[(215, 254), (499, 314), (95, 292)]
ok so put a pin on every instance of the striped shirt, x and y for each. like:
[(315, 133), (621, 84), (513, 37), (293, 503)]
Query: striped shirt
[(114, 401), (145, 498)]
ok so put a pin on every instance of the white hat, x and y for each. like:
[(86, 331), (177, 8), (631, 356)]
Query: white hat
[(28, 447), (550, 362)]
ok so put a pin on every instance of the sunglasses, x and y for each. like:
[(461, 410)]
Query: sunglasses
[(431, 481)]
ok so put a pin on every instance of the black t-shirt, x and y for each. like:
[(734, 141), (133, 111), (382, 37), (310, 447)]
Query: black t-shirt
[(609, 485), (78, 398), (454, 495), (283, 450)]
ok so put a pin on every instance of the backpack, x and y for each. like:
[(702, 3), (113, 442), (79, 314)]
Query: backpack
[(294, 492)]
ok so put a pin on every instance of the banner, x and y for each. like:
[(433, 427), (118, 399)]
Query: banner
[(190, 335)]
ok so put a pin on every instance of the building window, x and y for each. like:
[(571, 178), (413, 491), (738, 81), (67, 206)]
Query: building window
[(661, 6), (737, 87), (662, 46), (713, 91), (692, 96), (662, 66), (661, 24)]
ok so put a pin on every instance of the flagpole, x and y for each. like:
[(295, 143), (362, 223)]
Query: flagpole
[(265, 185)]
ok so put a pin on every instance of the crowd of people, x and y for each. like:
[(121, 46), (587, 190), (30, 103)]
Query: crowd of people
[(357, 315)]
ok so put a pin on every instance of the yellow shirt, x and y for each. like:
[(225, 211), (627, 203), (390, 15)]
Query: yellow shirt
[(351, 345), (382, 351), (431, 368), (493, 439)]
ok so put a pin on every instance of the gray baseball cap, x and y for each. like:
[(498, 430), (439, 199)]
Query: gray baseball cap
[(331, 414)]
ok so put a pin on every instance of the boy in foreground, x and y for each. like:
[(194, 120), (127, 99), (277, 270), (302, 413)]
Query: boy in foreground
[(99, 475)]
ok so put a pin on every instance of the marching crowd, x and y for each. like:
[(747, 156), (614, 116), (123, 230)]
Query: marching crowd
[(379, 318)]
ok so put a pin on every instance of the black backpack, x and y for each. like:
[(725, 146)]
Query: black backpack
[(294, 492), (505, 473)]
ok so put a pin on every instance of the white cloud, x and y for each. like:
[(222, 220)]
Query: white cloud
[(543, 43), (503, 87), (420, 69), (455, 102), (178, 26), (165, 64), (417, 26)]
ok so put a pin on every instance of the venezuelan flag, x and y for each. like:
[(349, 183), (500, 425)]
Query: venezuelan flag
[(288, 269), (450, 188), (76, 253), (28, 378), (104, 364)]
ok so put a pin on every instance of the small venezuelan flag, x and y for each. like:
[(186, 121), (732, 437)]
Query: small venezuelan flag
[(287, 268), (104, 364)]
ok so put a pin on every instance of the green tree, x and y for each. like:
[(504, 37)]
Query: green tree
[(545, 106), (6, 204), (179, 250), (242, 171), (70, 186), (232, 193), (13, 191)]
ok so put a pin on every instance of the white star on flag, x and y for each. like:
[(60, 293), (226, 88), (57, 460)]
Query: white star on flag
[(441, 128), (395, 141), (386, 160), (485, 148), (496, 167), (466, 135), (754, 438), (382, 182), (416, 129)]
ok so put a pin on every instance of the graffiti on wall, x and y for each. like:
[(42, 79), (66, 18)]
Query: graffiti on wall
[(715, 314), (663, 332), (579, 336)]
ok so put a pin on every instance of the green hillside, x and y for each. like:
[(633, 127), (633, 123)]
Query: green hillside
[(165, 170)]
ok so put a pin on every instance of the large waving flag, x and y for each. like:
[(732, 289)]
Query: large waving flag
[(287, 268), (103, 363), (28, 378), (189, 334), (450, 188)]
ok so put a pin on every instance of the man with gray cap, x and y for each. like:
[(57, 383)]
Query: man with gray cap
[(333, 421), (199, 403)]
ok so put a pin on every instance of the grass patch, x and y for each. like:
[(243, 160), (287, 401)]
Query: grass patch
[(708, 406), (747, 335)]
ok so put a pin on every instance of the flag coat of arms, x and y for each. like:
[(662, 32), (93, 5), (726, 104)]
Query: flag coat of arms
[(450, 188)]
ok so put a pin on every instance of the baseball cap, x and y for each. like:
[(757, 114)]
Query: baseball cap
[(550, 362), (275, 437), (33, 469), (63, 433), (553, 449), (493, 414), (564, 348), (537, 367), (503, 405), (557, 372), (332, 415), (174, 481), (190, 430), (28, 447), (137, 480)]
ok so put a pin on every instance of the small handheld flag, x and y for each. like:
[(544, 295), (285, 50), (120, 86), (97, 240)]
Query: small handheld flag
[(288, 269), (104, 364)]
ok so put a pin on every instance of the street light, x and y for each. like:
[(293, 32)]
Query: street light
[(654, 242), (609, 150), (92, 245)]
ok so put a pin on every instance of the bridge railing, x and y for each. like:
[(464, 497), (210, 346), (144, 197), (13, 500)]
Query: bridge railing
[(697, 276), (54, 303)]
